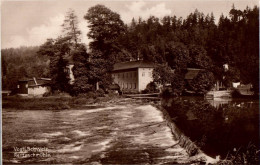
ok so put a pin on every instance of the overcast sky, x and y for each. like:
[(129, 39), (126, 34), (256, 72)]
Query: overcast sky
[(30, 23)]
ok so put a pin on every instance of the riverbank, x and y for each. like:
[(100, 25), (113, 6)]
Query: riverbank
[(55, 102)]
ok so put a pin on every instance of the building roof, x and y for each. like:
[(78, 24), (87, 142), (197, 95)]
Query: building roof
[(36, 81), (132, 65), (69, 59), (191, 73)]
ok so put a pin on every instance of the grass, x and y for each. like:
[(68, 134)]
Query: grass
[(51, 103)]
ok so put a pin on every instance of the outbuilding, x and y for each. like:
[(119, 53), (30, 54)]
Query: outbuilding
[(33, 86)]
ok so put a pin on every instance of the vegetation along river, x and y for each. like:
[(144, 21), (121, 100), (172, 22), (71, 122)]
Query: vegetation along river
[(218, 127)]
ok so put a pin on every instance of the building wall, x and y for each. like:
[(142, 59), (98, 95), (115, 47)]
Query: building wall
[(22, 87), (145, 76), (71, 76), (37, 90), (127, 80)]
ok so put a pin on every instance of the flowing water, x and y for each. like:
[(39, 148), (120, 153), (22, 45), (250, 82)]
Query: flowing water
[(219, 126), (124, 133)]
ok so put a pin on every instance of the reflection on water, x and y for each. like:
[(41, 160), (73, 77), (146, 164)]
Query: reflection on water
[(218, 126)]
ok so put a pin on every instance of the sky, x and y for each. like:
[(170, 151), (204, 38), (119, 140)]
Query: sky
[(31, 22)]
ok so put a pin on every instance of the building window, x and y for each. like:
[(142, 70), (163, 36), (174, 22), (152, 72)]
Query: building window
[(135, 86), (123, 75), (130, 85), (143, 74), (126, 75), (150, 74)]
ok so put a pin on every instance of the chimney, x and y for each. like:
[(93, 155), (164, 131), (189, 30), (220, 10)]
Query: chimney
[(138, 54), (35, 81)]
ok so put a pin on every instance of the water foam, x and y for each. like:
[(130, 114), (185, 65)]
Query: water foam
[(54, 134), (71, 148), (36, 140), (81, 133), (151, 114), (103, 145)]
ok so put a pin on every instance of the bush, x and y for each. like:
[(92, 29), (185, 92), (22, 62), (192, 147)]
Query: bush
[(100, 93), (151, 88), (90, 95), (80, 100), (236, 93), (128, 91), (244, 155), (167, 92), (202, 83)]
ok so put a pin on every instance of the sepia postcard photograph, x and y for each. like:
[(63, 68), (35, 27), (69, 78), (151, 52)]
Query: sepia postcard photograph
[(130, 82)]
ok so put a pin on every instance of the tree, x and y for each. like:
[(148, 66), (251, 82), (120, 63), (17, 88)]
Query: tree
[(162, 74), (20, 63), (105, 26), (177, 82), (81, 71), (199, 58), (177, 55), (59, 78), (99, 71), (57, 51), (70, 27), (202, 83)]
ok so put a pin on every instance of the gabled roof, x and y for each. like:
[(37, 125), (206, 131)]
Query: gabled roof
[(191, 73), (36, 81), (132, 65)]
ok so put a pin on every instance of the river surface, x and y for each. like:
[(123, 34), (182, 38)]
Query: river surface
[(123, 133), (219, 126)]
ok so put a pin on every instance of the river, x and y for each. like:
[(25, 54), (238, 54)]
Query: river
[(122, 133)]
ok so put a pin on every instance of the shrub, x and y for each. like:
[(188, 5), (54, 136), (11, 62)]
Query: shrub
[(244, 155), (80, 100), (235, 93), (151, 88), (90, 95), (100, 93)]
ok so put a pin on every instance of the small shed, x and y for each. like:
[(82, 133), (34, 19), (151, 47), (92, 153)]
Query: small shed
[(33, 86)]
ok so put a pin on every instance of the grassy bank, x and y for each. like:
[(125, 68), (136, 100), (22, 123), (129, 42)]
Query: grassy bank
[(53, 102)]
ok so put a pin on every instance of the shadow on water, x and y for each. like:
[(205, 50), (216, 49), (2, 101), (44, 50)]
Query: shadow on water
[(218, 127)]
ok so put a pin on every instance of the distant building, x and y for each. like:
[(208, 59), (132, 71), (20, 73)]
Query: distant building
[(191, 73), (6, 93), (133, 75), (34, 86), (245, 89), (69, 68)]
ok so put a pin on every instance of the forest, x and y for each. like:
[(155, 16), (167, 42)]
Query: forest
[(197, 41)]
